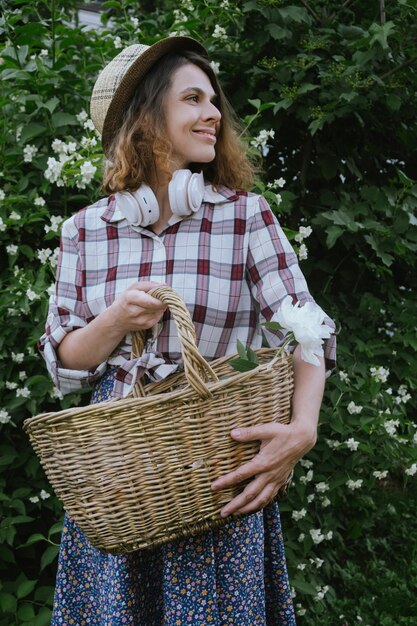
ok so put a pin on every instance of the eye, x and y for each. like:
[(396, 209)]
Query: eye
[(193, 98)]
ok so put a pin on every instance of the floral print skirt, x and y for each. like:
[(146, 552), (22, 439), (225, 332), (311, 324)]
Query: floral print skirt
[(233, 575)]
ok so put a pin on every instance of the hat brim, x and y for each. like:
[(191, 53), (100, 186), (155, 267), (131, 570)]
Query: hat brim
[(138, 69)]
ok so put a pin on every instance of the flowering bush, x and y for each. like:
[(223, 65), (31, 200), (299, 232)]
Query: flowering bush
[(326, 91)]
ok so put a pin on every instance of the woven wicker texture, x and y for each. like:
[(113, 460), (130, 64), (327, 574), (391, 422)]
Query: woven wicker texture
[(136, 473)]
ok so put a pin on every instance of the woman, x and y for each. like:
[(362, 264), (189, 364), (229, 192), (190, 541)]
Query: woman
[(164, 119)]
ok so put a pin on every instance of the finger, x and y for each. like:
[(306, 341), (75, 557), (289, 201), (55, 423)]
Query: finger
[(248, 495), (257, 433), (265, 497), (244, 472), (144, 285), (142, 299)]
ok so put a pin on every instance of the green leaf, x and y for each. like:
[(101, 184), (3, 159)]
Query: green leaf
[(277, 32), (241, 350), (31, 131), (25, 588), (26, 613), (35, 538), (242, 365), (63, 119), (303, 586), (8, 603), (49, 556)]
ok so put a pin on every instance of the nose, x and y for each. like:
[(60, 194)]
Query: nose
[(211, 112)]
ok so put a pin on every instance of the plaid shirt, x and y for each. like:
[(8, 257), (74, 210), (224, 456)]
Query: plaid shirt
[(230, 262)]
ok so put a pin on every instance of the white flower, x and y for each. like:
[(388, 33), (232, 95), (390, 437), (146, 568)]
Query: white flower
[(316, 535), (2, 195), (88, 142), (380, 374), (82, 116), (56, 393), (307, 478), (297, 515), (325, 502), (344, 377), (329, 535), (403, 395), (219, 33), (303, 233), (29, 152), (15, 216), (44, 494), (352, 444), (53, 172), (322, 487), (301, 537), (43, 255), (12, 249), (354, 484), (2, 225), (379, 474), (301, 566), (134, 21), (10, 385), (261, 140), (306, 463), (34, 499), (43, 53), (410, 471), (89, 125), (22, 374), (306, 324), (225, 4), (301, 612), (4, 417), (321, 592), (303, 252), (310, 497), (354, 408), (39, 201), (56, 221), (24, 392), (54, 258), (215, 66), (59, 146), (32, 295), (87, 171), (391, 426), (278, 198), (117, 42), (317, 562), (18, 357)]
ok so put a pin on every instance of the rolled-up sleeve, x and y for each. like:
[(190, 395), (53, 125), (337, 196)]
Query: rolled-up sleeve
[(274, 273), (67, 313)]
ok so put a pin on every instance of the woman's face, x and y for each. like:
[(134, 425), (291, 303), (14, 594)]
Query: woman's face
[(191, 116)]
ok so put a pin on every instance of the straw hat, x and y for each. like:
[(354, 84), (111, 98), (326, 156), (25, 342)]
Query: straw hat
[(117, 82)]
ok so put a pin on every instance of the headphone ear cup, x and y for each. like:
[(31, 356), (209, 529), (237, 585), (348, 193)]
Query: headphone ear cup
[(195, 191), (185, 192), (177, 192), (128, 205), (147, 205)]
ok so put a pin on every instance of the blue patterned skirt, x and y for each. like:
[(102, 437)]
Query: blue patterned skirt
[(234, 575)]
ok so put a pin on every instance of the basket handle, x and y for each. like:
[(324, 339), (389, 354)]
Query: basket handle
[(197, 371)]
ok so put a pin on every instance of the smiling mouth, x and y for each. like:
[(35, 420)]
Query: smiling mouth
[(206, 134)]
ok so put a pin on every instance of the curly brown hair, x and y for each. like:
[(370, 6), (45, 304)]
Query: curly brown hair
[(141, 146)]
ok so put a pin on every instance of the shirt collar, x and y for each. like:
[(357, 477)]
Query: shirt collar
[(217, 195)]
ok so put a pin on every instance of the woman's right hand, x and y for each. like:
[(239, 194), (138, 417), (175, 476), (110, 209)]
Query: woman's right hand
[(135, 309)]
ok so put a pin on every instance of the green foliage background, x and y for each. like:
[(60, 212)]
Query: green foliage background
[(337, 83)]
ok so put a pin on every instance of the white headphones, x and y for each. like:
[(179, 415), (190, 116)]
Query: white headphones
[(185, 191)]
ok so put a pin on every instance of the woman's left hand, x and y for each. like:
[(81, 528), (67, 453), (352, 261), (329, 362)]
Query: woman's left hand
[(281, 446)]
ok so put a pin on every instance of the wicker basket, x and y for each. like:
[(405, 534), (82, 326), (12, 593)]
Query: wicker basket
[(136, 473)]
